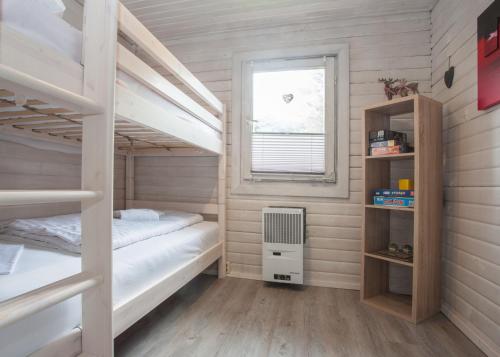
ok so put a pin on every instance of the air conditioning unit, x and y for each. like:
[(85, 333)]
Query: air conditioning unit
[(283, 241)]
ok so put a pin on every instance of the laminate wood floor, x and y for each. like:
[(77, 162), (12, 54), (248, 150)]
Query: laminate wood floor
[(239, 317)]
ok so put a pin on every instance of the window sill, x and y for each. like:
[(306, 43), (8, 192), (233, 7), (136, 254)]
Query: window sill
[(294, 189), (291, 178)]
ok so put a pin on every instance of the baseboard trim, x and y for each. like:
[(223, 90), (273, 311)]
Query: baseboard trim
[(313, 282), (244, 276), (476, 336)]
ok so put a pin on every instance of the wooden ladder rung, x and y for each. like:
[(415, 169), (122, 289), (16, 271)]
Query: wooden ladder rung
[(26, 197), (36, 300), (22, 83)]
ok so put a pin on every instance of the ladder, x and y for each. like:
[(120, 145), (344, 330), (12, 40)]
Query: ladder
[(96, 194)]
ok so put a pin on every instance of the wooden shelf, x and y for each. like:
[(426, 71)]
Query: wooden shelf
[(405, 156), (380, 227), (395, 304), (394, 260), (396, 106), (393, 208)]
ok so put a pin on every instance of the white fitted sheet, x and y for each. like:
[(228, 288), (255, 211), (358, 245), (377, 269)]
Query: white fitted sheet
[(135, 267)]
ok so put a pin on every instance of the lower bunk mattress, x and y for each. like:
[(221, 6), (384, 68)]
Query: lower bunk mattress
[(135, 267)]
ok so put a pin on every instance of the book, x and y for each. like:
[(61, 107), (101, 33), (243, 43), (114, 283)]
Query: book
[(389, 150), (393, 201), (383, 135), (388, 192), (386, 143)]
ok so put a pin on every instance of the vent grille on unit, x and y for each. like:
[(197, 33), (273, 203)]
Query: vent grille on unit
[(283, 225)]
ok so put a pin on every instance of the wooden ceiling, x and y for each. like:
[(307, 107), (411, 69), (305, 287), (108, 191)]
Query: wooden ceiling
[(174, 19)]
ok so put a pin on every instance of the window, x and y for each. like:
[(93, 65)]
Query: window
[(288, 117), (286, 113)]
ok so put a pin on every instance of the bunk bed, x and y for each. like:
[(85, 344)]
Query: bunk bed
[(86, 89), (143, 97)]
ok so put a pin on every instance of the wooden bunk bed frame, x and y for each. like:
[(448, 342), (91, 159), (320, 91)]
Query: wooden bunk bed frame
[(89, 109)]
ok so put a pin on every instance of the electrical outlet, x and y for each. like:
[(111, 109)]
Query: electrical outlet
[(228, 267)]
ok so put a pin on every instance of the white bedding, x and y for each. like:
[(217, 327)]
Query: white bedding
[(64, 232), (9, 255), (135, 267), (47, 28), (33, 18), (137, 214)]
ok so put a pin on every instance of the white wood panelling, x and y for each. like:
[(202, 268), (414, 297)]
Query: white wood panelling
[(178, 19), (193, 207), (472, 178), (387, 43), (176, 179), (24, 167), (119, 182)]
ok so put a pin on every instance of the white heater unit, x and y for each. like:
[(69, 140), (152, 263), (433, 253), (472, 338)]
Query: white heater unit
[(283, 241)]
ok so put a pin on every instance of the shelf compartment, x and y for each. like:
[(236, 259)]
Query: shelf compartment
[(394, 260), (376, 290), (405, 156), (393, 208), (396, 106), (395, 304)]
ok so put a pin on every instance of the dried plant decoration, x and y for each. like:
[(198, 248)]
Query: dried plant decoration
[(401, 87)]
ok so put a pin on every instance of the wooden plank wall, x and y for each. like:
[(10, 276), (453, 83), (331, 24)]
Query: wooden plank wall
[(119, 183), (24, 167), (396, 45), (472, 178), (175, 178)]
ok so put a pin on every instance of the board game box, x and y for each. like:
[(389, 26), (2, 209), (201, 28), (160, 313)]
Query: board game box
[(383, 135), (387, 192), (393, 201)]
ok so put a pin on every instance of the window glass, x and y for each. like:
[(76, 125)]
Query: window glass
[(288, 121)]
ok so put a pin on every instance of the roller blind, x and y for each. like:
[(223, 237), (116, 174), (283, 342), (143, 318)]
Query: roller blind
[(288, 152), (288, 118)]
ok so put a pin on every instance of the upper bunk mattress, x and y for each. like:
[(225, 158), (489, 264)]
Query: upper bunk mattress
[(38, 19), (135, 268), (29, 23)]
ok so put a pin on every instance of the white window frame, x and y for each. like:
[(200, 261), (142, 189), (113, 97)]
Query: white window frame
[(335, 181)]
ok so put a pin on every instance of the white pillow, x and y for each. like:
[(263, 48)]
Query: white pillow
[(54, 6), (137, 214)]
